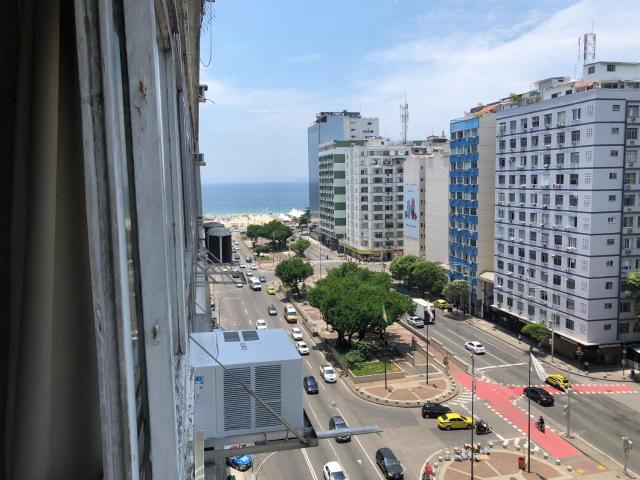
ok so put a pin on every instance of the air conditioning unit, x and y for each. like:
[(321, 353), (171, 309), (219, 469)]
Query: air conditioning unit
[(534, 204), (561, 124), (628, 209), (574, 143), (542, 225), (512, 239), (523, 223), (546, 165), (547, 146), (632, 142), (627, 252), (522, 205), (566, 270), (571, 249), (544, 244), (632, 119), (509, 273), (545, 207), (499, 305), (627, 186), (520, 167), (629, 230)]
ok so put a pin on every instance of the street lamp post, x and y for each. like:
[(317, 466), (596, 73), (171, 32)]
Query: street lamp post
[(385, 358), (427, 356), (473, 394), (529, 414)]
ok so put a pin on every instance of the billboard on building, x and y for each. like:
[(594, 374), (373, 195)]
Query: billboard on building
[(411, 211)]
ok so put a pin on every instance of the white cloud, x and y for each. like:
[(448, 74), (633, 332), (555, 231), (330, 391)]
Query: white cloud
[(444, 73)]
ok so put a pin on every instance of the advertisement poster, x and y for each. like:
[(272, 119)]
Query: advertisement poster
[(411, 211)]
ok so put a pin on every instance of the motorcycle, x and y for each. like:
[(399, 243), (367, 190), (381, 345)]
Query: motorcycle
[(540, 426), (482, 427)]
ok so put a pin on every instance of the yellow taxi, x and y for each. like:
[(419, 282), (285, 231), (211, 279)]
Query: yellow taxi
[(271, 290), (454, 421), (559, 381), (441, 304), (225, 269)]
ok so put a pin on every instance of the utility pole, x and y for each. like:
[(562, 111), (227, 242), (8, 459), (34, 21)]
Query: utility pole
[(427, 355), (627, 445), (568, 410), (473, 394), (529, 415)]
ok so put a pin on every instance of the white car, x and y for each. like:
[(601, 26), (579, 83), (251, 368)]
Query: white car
[(334, 471), (302, 348), (248, 273), (296, 334), (254, 266), (415, 321), (328, 374), (475, 347), (243, 265), (261, 324), (239, 285)]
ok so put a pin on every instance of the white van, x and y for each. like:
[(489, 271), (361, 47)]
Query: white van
[(254, 283)]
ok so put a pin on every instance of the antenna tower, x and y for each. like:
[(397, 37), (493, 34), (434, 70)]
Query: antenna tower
[(404, 119), (587, 47)]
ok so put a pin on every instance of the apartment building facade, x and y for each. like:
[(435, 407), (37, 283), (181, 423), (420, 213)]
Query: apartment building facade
[(567, 228), (327, 127), (471, 203), (426, 200), (333, 198), (375, 209)]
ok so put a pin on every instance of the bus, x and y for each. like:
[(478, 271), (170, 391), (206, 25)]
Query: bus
[(290, 313), (254, 283)]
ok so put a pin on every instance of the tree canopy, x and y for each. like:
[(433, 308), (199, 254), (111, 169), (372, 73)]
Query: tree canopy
[(351, 300), (457, 294), (400, 267), (304, 219), (633, 285), (276, 232), (538, 331), (292, 272), (428, 277), (300, 246)]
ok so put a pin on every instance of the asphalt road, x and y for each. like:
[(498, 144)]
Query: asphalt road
[(600, 419)]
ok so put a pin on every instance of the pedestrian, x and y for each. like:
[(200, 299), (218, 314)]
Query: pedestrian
[(427, 472)]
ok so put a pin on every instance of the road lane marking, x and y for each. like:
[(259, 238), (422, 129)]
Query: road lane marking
[(466, 340), (306, 457), (329, 440), (501, 366), (307, 362), (375, 468)]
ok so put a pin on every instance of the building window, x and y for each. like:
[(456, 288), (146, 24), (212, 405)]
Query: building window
[(568, 323), (608, 306), (607, 326), (615, 107), (591, 69), (611, 68), (576, 113), (625, 307)]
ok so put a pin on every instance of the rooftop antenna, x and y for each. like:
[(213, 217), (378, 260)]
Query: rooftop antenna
[(404, 119), (587, 47)]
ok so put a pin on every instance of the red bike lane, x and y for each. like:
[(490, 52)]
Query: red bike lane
[(500, 398)]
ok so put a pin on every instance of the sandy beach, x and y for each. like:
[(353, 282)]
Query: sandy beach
[(241, 221)]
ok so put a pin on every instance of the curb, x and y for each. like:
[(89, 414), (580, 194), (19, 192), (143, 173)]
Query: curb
[(470, 322), (448, 395)]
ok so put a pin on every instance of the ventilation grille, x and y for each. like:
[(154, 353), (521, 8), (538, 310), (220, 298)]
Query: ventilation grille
[(231, 336), (268, 385), (237, 402), (249, 335)]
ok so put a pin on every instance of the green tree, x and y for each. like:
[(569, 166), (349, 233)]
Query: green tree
[(261, 249), (305, 218), (254, 232), (300, 246), (292, 272), (633, 285), (276, 232), (457, 294), (538, 331), (428, 277), (400, 268)]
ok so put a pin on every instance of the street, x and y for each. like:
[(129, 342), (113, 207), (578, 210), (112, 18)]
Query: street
[(598, 417)]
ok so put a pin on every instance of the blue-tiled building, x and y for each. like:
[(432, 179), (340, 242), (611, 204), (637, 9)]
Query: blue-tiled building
[(471, 203)]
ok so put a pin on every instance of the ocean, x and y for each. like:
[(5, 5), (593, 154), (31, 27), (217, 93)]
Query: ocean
[(254, 198)]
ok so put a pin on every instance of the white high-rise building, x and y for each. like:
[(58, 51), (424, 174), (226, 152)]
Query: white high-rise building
[(567, 226), (426, 193), (374, 202)]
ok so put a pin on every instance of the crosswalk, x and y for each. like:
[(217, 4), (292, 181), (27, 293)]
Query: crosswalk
[(462, 400)]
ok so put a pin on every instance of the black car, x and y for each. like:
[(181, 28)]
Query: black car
[(539, 395), (389, 464), (337, 422), (310, 385), (262, 278), (272, 310), (434, 410)]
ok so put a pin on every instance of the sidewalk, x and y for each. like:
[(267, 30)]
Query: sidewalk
[(411, 388), (501, 464), (608, 373)]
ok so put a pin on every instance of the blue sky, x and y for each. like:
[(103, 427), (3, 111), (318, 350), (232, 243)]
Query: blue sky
[(275, 64)]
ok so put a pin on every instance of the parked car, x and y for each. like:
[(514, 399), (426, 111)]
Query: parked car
[(434, 410), (475, 347), (454, 421), (539, 395), (296, 334), (302, 348), (262, 278), (559, 381), (272, 310), (336, 423), (416, 322), (261, 324), (389, 464), (328, 374), (441, 304), (310, 385), (242, 463), (225, 269), (333, 471)]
